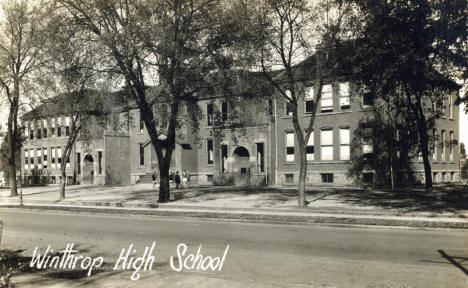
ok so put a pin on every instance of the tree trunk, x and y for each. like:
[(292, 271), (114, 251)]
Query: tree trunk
[(64, 178), (302, 176), (12, 166), (11, 138), (423, 144), (164, 191)]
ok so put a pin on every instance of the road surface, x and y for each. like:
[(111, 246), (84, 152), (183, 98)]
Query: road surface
[(259, 255)]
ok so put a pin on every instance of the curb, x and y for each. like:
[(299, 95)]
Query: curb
[(285, 218)]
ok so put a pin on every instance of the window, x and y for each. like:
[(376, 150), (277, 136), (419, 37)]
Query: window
[(99, 162), (67, 126), (44, 128), (141, 122), (224, 154), (52, 128), (290, 146), (52, 159), (367, 144), (31, 159), (142, 155), (31, 132), (367, 99), (209, 114), (39, 158), (44, 155), (344, 96), (26, 129), (39, 129), (310, 151), (326, 103), (209, 151), (209, 178), (260, 158), (327, 177), (224, 111), (344, 143), (26, 160), (288, 106), (67, 160), (444, 145), (78, 163), (326, 142), (451, 145), (309, 99), (434, 143), (243, 170), (59, 128), (59, 156), (289, 178), (450, 107)]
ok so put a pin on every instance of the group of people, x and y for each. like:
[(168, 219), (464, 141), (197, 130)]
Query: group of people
[(176, 177)]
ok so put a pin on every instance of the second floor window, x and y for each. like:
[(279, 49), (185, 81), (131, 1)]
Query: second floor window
[(31, 155), (309, 99), (209, 114), (344, 143), (289, 146), (142, 155), (344, 96), (39, 157), (59, 156), (451, 145), (52, 127), (26, 161), (367, 143), (326, 143), (59, 128), (310, 148), (444, 145), (288, 106), (52, 159), (209, 151), (44, 128), (326, 103), (142, 123), (224, 111), (67, 126), (44, 155), (38, 129)]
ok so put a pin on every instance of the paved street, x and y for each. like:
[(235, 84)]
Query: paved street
[(260, 255)]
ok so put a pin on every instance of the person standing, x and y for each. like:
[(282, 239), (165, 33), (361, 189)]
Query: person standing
[(155, 179), (184, 178), (177, 179)]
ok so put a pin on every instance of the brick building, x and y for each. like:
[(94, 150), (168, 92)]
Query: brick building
[(265, 152)]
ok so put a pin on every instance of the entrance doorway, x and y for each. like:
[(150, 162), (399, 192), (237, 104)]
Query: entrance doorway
[(241, 166), (88, 170)]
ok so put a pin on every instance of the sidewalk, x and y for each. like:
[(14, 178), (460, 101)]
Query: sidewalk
[(447, 207)]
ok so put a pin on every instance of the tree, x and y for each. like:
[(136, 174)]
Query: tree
[(21, 42), (411, 50), (295, 39), (69, 74), (4, 155), (186, 47)]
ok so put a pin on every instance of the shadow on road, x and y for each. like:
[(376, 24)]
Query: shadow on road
[(457, 261)]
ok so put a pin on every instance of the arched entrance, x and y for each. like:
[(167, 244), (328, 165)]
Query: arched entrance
[(241, 166), (88, 170)]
